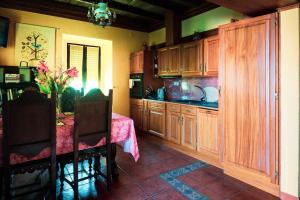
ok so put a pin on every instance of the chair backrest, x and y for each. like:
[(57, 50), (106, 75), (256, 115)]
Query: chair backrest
[(68, 99), (93, 114), (29, 124)]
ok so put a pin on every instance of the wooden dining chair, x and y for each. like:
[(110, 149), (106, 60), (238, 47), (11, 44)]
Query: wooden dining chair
[(29, 125), (93, 115)]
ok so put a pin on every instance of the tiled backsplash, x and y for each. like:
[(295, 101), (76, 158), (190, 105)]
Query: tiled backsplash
[(183, 88)]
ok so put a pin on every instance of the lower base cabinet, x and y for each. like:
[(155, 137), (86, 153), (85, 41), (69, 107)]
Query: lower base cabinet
[(189, 131), (136, 112), (174, 126), (157, 118), (208, 140)]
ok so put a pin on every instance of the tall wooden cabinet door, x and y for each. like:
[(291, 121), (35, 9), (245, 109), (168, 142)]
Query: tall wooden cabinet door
[(157, 122), (192, 58), (163, 61), (173, 126), (211, 56), (248, 101), (207, 133), (174, 60), (188, 130)]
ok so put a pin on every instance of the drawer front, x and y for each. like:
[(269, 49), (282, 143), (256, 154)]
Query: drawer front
[(206, 111), (189, 110), (173, 107), (158, 105), (138, 102)]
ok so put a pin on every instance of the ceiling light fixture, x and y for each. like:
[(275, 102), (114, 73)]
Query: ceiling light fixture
[(100, 14)]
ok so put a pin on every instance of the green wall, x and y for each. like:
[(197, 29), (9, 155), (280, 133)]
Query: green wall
[(203, 22)]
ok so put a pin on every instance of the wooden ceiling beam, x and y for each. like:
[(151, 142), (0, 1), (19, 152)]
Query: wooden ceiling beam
[(134, 10), (164, 4), (198, 10), (69, 11)]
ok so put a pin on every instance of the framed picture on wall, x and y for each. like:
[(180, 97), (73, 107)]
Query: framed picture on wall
[(34, 43)]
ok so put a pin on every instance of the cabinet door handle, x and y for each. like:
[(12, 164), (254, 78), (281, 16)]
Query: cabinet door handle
[(205, 68), (182, 120)]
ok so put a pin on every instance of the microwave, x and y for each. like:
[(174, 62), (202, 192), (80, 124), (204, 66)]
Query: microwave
[(136, 85)]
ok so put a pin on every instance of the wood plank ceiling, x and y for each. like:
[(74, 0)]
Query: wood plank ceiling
[(143, 15)]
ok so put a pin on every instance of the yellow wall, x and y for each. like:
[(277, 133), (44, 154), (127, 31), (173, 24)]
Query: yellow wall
[(157, 37), (123, 42), (289, 95), (202, 22)]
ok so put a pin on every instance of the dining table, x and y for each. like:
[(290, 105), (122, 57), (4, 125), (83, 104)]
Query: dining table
[(122, 134)]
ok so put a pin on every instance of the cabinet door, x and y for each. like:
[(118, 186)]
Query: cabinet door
[(163, 61), (174, 60), (207, 133), (145, 115), (132, 62), (173, 126), (140, 61), (192, 58), (188, 130), (248, 100), (157, 122), (211, 56)]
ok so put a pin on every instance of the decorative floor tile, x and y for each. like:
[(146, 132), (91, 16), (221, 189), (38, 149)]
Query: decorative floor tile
[(171, 178)]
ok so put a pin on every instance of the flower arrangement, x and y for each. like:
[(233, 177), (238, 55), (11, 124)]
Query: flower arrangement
[(57, 80)]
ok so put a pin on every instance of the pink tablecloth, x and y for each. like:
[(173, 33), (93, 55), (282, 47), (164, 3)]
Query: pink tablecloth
[(122, 133)]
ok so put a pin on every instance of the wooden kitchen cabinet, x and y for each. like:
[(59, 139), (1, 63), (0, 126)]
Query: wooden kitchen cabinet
[(136, 62), (136, 112), (192, 59), (208, 141), (157, 118), (249, 80), (173, 122), (145, 115), (188, 127), (211, 56), (169, 61)]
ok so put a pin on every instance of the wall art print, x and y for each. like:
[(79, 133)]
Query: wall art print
[(34, 43)]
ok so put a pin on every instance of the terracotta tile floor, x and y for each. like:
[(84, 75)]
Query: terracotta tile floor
[(141, 180)]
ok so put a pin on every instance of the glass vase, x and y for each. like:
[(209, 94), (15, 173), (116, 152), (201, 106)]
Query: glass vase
[(58, 104)]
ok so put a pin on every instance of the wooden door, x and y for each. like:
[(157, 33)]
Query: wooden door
[(188, 131), (211, 56), (173, 126), (192, 59), (157, 122), (163, 61), (207, 133), (248, 101), (174, 60)]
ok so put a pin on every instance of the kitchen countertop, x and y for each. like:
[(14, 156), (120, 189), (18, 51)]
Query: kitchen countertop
[(201, 104)]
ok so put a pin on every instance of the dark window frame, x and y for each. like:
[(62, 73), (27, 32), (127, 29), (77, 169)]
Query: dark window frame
[(84, 61)]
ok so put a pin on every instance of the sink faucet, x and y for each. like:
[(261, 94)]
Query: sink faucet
[(203, 98)]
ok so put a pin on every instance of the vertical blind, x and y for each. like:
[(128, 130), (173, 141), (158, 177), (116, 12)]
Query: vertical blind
[(87, 60)]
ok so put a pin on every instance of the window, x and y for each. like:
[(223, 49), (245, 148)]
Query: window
[(87, 59)]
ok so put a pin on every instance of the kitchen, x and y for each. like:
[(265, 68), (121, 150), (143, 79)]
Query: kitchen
[(205, 99)]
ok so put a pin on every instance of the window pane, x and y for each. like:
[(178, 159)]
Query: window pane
[(76, 57), (92, 68)]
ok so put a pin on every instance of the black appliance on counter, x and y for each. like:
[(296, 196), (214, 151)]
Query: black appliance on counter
[(136, 85)]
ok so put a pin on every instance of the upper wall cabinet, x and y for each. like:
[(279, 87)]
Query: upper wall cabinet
[(136, 62), (211, 56), (192, 59), (169, 61)]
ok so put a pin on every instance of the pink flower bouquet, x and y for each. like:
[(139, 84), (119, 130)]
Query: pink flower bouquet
[(57, 80)]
